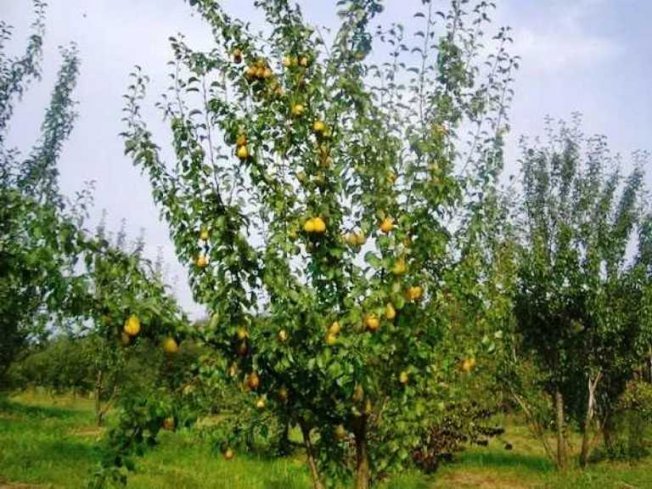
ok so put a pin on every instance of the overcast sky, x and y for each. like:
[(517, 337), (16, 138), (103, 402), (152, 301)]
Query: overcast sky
[(591, 56)]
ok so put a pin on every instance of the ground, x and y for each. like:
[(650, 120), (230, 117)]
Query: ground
[(50, 442)]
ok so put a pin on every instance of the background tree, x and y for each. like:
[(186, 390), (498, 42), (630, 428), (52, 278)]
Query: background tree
[(37, 238), (318, 232), (122, 301), (624, 354), (52, 271), (578, 217)]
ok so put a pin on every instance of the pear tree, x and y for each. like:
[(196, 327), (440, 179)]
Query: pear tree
[(321, 187)]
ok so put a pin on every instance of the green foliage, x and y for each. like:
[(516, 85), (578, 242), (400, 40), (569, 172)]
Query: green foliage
[(79, 365), (61, 365), (168, 403), (632, 437), (464, 423)]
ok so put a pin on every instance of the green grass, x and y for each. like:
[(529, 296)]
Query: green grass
[(50, 443)]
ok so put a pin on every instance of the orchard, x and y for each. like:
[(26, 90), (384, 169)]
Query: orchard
[(379, 299)]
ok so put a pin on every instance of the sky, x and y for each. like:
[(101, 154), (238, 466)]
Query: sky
[(588, 56)]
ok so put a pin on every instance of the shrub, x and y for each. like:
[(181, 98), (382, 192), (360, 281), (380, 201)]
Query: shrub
[(465, 423), (633, 420)]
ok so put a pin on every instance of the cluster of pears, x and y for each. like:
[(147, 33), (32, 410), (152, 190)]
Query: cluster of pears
[(242, 342), (258, 70), (260, 75), (355, 239), (372, 321), (132, 327), (414, 293), (332, 332), (202, 258), (241, 149), (293, 61), (297, 109), (315, 225), (252, 383)]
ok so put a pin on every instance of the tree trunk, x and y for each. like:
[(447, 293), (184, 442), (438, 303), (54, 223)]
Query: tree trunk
[(362, 474), (284, 445), (608, 429), (590, 409), (561, 441), (535, 427), (99, 414), (310, 454)]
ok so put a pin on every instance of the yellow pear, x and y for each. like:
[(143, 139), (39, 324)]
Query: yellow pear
[(202, 261), (283, 394), (132, 325), (242, 152), (387, 225), (390, 311), (298, 110), (350, 239), (340, 432), (414, 293), (309, 226), (372, 322), (253, 381), (358, 393), (403, 377), (399, 267), (468, 364), (170, 345), (334, 328), (320, 225)]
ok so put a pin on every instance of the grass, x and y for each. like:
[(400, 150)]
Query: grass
[(50, 443)]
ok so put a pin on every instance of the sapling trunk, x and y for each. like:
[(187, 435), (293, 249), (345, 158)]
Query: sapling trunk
[(99, 414), (561, 440), (362, 474), (590, 409), (310, 455)]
